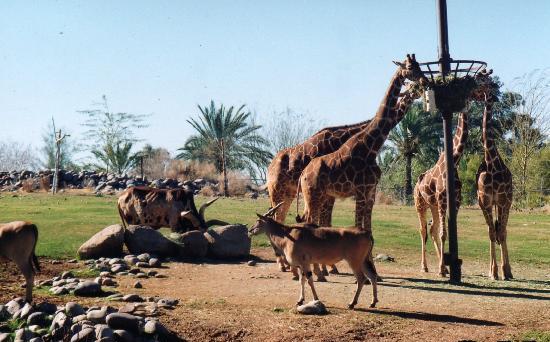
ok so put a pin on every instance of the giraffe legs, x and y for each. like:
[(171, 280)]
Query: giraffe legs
[(421, 211), (488, 214), (325, 220), (502, 213), (442, 211)]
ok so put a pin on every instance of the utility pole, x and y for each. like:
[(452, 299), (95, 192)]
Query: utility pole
[(58, 139), (444, 67)]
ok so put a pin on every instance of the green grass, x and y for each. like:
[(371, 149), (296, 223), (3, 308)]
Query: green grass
[(539, 336), (65, 221)]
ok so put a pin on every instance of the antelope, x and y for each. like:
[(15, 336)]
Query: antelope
[(17, 243), (308, 244)]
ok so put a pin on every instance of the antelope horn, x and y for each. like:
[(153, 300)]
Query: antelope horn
[(206, 205), (189, 215), (272, 211)]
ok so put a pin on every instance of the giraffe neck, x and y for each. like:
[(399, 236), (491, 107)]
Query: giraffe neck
[(461, 135), (490, 150), (388, 115)]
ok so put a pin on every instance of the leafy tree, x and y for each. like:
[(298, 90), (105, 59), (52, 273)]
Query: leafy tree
[(227, 139), (416, 136), (155, 161), (111, 135)]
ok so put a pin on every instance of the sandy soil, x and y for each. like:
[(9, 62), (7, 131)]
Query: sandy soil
[(237, 302)]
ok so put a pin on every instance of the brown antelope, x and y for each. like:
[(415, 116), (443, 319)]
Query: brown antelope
[(17, 243), (308, 244)]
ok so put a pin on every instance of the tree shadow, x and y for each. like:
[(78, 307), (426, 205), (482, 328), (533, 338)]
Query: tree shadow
[(431, 317), (464, 288)]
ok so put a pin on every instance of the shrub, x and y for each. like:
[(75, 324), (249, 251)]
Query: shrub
[(190, 170)]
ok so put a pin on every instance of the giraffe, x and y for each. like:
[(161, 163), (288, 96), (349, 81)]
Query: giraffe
[(494, 187), (285, 169), (352, 169), (430, 192)]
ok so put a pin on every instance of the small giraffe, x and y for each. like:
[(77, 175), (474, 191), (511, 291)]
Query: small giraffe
[(494, 188), (285, 169), (352, 171), (430, 192)]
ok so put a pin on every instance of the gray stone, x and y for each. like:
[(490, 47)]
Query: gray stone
[(230, 241), (142, 276), (4, 337), (80, 318), (84, 335), (60, 324), (26, 310), (124, 336), (102, 331), (132, 298), (37, 318), (315, 307), (74, 309), (144, 257), (48, 308), (59, 291), (23, 334), (143, 239), (36, 339), (124, 321), (131, 259), (67, 275), (251, 263), (4, 313), (138, 285), (142, 264), (154, 262), (97, 316), (168, 301), (195, 244), (88, 289), (384, 258), (119, 268), (107, 242), (14, 305)]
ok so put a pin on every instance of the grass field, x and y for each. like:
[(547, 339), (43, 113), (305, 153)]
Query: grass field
[(67, 220)]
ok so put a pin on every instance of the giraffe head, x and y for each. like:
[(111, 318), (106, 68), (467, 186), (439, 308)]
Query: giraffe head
[(486, 88), (410, 69)]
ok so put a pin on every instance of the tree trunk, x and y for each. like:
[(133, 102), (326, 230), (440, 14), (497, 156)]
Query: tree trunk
[(224, 170), (408, 179)]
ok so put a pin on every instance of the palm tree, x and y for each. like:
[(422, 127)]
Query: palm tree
[(227, 139), (416, 135), (116, 156)]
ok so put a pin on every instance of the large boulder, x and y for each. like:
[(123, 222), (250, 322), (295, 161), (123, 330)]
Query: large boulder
[(106, 243), (230, 241), (195, 244), (144, 239)]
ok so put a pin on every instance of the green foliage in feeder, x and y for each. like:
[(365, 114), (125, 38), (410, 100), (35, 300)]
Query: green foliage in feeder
[(451, 93)]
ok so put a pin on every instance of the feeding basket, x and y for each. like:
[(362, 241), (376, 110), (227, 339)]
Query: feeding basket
[(452, 90)]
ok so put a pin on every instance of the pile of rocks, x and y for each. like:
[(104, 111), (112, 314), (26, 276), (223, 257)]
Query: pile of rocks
[(222, 242), (101, 182), (74, 322), (130, 265), (68, 283)]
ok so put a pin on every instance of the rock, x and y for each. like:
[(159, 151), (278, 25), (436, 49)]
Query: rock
[(143, 239), (88, 289), (152, 273), (5, 337), (251, 263), (131, 259), (67, 275), (124, 321), (4, 313), (168, 301), (142, 264), (98, 315), (59, 291), (13, 306), (315, 307), (230, 241), (137, 285), (26, 310), (36, 339), (84, 335), (384, 258), (154, 262), (72, 261), (23, 335), (124, 336), (102, 331), (80, 318), (115, 261), (195, 244), (48, 308), (108, 282), (155, 328), (60, 324), (132, 298), (73, 309), (37, 318), (144, 257), (141, 275), (107, 242), (119, 268)]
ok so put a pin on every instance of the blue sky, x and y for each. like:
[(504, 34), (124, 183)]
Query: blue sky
[(331, 59)]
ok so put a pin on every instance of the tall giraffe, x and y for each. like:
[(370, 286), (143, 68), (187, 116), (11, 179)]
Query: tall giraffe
[(351, 171), (430, 192), (285, 169), (494, 188)]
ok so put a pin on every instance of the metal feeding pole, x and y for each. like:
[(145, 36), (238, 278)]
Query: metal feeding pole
[(451, 258)]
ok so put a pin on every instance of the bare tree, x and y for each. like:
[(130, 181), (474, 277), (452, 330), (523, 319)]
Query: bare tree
[(531, 103), (288, 128), (17, 156)]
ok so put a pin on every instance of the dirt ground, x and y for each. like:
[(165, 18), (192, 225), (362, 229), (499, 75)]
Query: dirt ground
[(237, 302)]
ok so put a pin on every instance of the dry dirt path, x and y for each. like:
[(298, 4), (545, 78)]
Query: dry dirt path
[(240, 302)]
